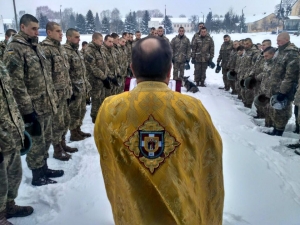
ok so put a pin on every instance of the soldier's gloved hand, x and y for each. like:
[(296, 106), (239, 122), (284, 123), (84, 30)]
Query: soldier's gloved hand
[(119, 76), (193, 60), (106, 83), (115, 81), (187, 61), (32, 125), (30, 118), (1, 157), (218, 64), (280, 96), (209, 61)]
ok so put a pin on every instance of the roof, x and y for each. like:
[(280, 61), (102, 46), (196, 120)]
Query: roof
[(174, 20), (256, 17), (294, 17)]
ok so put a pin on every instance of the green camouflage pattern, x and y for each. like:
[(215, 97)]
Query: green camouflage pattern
[(2, 49)]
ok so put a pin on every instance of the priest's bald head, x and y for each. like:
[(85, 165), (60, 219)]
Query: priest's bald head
[(152, 60)]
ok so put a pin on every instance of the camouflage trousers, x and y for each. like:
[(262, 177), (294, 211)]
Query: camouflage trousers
[(60, 122), (257, 91), (238, 87), (11, 176), (247, 97), (77, 109), (225, 79), (267, 114), (178, 70), (97, 96), (122, 85), (200, 71), (280, 118), (35, 158)]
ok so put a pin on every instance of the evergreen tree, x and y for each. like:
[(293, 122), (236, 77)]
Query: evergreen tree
[(105, 26), (168, 25), (72, 22), (144, 26), (131, 23), (194, 19), (90, 23), (97, 23), (43, 20), (243, 27), (208, 21), (80, 24)]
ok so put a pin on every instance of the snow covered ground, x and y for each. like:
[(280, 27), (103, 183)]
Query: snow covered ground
[(262, 176)]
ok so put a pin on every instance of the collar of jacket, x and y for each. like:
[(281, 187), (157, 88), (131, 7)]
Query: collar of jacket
[(94, 45), (105, 46), (74, 46), (152, 86), (51, 41), (281, 48), (180, 37), (26, 39)]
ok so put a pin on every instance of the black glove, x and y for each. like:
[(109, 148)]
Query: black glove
[(119, 76), (187, 61), (1, 157), (280, 96), (30, 118), (218, 64), (193, 60), (209, 61), (115, 81), (106, 83), (32, 125)]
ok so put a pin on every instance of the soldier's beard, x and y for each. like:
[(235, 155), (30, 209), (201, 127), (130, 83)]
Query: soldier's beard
[(75, 46)]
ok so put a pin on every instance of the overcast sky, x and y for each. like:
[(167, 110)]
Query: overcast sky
[(174, 7)]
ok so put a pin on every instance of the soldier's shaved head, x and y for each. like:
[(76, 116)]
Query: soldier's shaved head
[(283, 38), (151, 59), (96, 35), (27, 18), (50, 25), (70, 32)]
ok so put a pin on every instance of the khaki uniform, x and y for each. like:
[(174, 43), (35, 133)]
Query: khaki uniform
[(284, 78), (231, 65), (33, 90), (97, 72), (11, 141), (2, 48), (181, 48), (239, 76), (80, 85), (202, 52), (57, 60), (224, 56)]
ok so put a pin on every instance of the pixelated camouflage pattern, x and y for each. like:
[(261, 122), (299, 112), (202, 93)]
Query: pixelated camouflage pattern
[(224, 54), (2, 48), (181, 48), (203, 48), (232, 62)]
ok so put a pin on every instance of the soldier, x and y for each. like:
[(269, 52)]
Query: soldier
[(247, 62), (96, 69), (59, 67), (84, 44), (126, 36), (152, 30), (224, 56), (160, 32), (240, 55), (200, 26), (232, 66), (112, 67), (11, 141), (202, 55), (123, 58), (35, 94), (8, 34), (80, 86), (181, 53), (138, 36), (256, 69), (284, 78)]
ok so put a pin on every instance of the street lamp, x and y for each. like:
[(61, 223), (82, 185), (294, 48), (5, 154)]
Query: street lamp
[(242, 18)]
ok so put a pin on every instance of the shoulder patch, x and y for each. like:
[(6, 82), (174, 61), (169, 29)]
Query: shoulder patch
[(10, 51)]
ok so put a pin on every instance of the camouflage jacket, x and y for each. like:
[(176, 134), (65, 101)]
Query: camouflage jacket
[(11, 123), (265, 77), (95, 64), (123, 61), (181, 48), (77, 70), (285, 72), (258, 65), (248, 61), (203, 48), (112, 69), (238, 66), (32, 83), (2, 48), (198, 34), (58, 64), (224, 54), (231, 65), (115, 51), (129, 51), (82, 51)]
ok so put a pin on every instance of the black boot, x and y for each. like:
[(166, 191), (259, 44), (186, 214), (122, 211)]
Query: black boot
[(51, 173), (13, 210), (294, 146), (39, 178), (272, 133), (279, 132), (296, 131)]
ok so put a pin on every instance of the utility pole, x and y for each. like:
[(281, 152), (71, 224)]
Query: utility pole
[(16, 18)]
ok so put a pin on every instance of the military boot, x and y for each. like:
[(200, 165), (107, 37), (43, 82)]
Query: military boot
[(296, 131), (198, 83), (51, 173), (60, 154), (202, 84), (297, 151), (294, 146), (3, 220), (279, 133), (67, 148), (272, 133), (39, 178), (82, 133), (75, 136), (13, 210)]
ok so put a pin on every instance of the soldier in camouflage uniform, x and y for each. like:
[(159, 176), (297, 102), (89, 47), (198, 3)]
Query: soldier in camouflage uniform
[(96, 69), (247, 62), (238, 68), (80, 85), (202, 55), (160, 32), (264, 77), (112, 67), (59, 67), (128, 46), (256, 69), (35, 94), (84, 45), (224, 57), (138, 36), (284, 78), (8, 34), (11, 141), (181, 48), (232, 66), (123, 61), (116, 53)]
